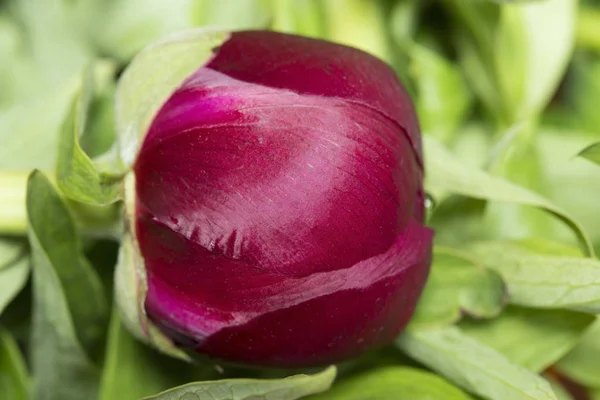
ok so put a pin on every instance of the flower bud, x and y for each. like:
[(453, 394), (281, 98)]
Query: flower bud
[(279, 205)]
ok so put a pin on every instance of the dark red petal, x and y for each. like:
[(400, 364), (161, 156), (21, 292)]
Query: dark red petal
[(310, 66), (290, 184), (230, 310)]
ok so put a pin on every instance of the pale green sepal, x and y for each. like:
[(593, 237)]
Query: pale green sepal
[(152, 77), (131, 285)]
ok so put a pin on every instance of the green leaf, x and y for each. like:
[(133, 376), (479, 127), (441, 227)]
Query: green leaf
[(457, 285), (582, 364), (447, 174), (79, 178), (393, 383), (11, 248), (583, 90), (475, 42), (473, 366), (538, 279), (133, 370), (293, 387), (14, 269), (42, 69), (404, 20), (438, 80), (14, 382), (478, 77), (515, 54), (556, 149), (549, 27), (403, 27), (151, 78), (518, 158), (62, 284), (511, 60), (59, 50), (532, 338), (592, 153), (16, 68), (29, 129), (99, 135), (54, 228)]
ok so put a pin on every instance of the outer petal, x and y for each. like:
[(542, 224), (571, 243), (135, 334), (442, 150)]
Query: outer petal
[(230, 310), (309, 66), (291, 184)]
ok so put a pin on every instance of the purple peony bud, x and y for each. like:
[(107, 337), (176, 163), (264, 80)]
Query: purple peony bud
[(279, 204)]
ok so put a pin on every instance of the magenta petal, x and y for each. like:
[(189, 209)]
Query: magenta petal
[(315, 67), (290, 184), (279, 203), (233, 312)]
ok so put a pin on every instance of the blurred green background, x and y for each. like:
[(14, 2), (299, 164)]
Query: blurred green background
[(506, 92)]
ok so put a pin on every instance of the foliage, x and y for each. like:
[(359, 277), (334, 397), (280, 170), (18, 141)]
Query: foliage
[(507, 95)]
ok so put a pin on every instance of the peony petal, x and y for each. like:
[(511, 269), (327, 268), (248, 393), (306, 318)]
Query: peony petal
[(315, 67), (290, 184), (279, 203), (230, 310)]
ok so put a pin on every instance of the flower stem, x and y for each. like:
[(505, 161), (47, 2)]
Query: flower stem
[(92, 221), (13, 213)]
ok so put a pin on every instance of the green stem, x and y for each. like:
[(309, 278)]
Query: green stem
[(92, 221), (588, 28), (13, 214)]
